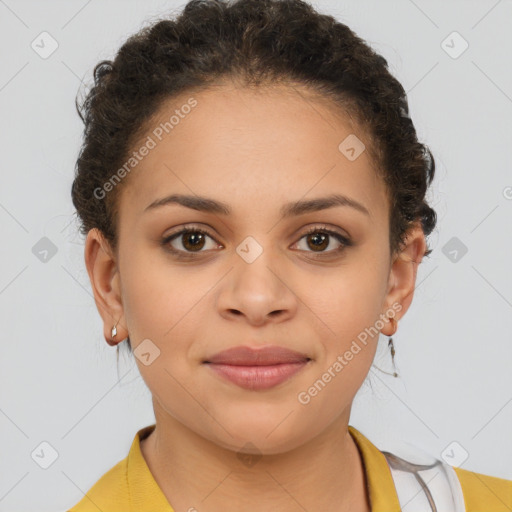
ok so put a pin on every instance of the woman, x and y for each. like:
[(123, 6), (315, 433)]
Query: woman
[(253, 190)]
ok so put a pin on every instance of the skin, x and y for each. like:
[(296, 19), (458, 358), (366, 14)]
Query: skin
[(255, 151)]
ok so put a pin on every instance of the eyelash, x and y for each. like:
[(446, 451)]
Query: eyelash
[(346, 242)]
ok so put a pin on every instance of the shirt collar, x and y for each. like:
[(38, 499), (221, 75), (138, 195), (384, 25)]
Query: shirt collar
[(380, 485), (146, 495)]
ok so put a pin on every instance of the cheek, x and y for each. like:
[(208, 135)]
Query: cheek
[(163, 304), (155, 294), (160, 318), (347, 305)]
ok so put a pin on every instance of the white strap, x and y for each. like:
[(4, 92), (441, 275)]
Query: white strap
[(426, 488)]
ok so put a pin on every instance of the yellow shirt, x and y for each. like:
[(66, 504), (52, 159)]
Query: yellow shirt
[(129, 486)]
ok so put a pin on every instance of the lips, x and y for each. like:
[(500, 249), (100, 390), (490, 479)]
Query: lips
[(257, 369), (264, 356)]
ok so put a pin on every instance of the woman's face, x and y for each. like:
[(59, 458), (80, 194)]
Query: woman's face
[(257, 277)]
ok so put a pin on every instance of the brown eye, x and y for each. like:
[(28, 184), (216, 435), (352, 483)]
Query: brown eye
[(190, 240), (319, 239)]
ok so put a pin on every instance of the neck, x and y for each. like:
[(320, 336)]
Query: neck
[(194, 473)]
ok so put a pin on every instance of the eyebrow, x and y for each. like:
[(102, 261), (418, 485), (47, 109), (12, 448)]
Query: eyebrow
[(205, 204)]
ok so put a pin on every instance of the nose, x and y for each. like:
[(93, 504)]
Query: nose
[(257, 294)]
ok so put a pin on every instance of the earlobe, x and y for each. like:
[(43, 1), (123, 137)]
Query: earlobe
[(402, 277), (104, 278)]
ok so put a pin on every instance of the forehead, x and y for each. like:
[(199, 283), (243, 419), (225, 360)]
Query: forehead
[(266, 146)]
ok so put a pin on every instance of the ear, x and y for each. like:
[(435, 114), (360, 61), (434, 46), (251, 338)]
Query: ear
[(104, 276), (402, 275)]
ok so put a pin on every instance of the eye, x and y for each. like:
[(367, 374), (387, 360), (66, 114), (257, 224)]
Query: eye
[(322, 238), (191, 239)]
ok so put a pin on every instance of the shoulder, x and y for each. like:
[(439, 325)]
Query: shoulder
[(110, 492), (485, 493)]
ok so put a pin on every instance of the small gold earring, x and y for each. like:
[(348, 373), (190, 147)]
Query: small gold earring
[(113, 334)]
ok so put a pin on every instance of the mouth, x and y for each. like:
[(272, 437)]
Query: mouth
[(257, 369)]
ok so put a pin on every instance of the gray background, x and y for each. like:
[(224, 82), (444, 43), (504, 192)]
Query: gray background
[(58, 378)]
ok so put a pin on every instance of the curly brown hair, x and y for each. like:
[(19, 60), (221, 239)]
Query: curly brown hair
[(255, 42)]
